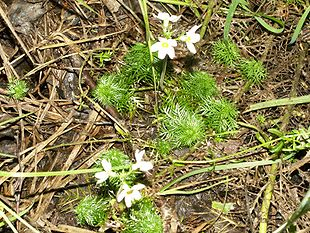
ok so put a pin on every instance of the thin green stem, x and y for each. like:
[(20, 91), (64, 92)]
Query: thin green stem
[(207, 18), (220, 168), (51, 173), (267, 199), (148, 35), (11, 120), (232, 156), (175, 191), (163, 74)]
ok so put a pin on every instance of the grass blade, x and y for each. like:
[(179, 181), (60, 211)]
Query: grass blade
[(264, 213), (259, 17), (8, 221), (299, 25), (219, 168), (83, 3), (267, 26), (230, 14), (11, 120), (175, 191), (279, 102), (175, 2), (52, 173), (303, 208)]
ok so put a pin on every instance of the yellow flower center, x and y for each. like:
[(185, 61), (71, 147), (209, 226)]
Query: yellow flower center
[(165, 45), (129, 191)]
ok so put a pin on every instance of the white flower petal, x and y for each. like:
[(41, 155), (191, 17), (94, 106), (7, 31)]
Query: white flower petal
[(156, 47), (174, 18), (129, 194), (166, 24), (139, 154), (183, 38), (125, 187), (195, 38), (145, 166), (193, 29), (162, 53), (121, 195), (128, 201), (164, 47), (101, 176), (191, 47), (136, 195), (106, 165), (172, 42), (163, 16), (112, 174), (122, 192), (170, 52), (138, 187), (136, 166)]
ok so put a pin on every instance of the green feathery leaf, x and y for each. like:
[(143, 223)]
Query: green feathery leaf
[(142, 218), (197, 86), (225, 52), (17, 89), (92, 211), (254, 71), (221, 115), (181, 126)]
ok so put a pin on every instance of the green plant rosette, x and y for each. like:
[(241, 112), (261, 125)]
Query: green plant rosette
[(226, 52), (92, 211), (141, 218)]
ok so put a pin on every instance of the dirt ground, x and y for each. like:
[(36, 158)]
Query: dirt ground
[(52, 45)]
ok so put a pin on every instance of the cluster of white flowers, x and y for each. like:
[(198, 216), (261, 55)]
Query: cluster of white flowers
[(129, 194), (165, 45)]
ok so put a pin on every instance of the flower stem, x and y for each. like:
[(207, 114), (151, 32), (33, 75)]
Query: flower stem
[(163, 73)]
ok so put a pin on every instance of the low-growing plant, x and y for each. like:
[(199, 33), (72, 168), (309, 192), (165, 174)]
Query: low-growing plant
[(197, 86), (119, 175), (112, 91), (103, 57), (117, 200), (165, 46), (253, 71), (181, 126), (116, 157), (220, 115), (163, 147), (142, 218), (17, 89), (138, 66), (92, 211), (289, 143), (121, 162), (226, 52)]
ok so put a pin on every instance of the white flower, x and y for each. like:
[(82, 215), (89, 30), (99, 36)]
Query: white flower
[(164, 47), (190, 38), (104, 175), (166, 18), (141, 165), (130, 194)]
